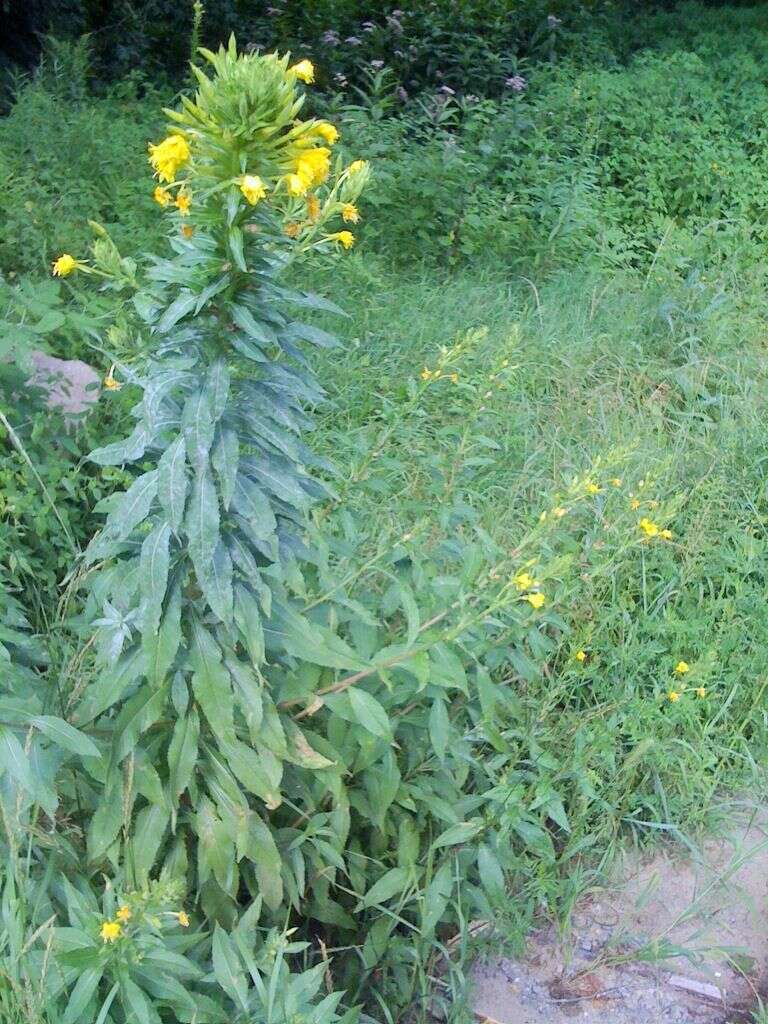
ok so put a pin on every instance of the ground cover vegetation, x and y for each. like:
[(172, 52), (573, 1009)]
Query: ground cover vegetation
[(413, 557)]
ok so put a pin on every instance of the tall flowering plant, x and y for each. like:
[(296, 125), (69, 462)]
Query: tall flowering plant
[(199, 575)]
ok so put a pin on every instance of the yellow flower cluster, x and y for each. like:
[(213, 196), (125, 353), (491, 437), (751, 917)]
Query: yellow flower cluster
[(253, 188), (168, 156), (650, 529), (682, 668), (428, 375), (524, 581), (111, 931)]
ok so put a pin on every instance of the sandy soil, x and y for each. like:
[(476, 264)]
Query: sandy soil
[(678, 938)]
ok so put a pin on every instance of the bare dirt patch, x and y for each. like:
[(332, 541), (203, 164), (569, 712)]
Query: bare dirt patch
[(679, 937)]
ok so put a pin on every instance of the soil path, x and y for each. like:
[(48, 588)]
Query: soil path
[(682, 938)]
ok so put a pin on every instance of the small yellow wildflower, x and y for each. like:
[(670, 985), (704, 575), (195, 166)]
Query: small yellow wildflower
[(162, 196), (673, 696), (313, 208), (666, 534), (559, 512), (296, 185), (536, 600), (592, 488), (357, 166), (328, 131), (634, 504), (64, 265), (110, 383), (292, 229), (350, 213), (183, 203), (313, 166), (253, 188), (187, 230), (580, 655), (124, 914), (168, 156), (682, 667), (183, 919), (453, 378), (524, 581), (111, 930), (617, 481), (649, 529), (701, 691), (346, 238), (304, 70)]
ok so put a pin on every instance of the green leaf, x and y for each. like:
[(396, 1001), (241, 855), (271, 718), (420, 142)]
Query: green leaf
[(248, 619), (235, 239), (161, 649), (489, 871), (254, 771), (211, 684), (264, 854), (436, 896), (81, 995), (146, 838), (172, 482), (261, 333), (182, 753), (140, 712), (224, 459), (439, 727), (228, 969), (460, 833), (135, 1002), (198, 427), (217, 389), (253, 505), (110, 686), (389, 885), (134, 506), (65, 735), (216, 583), (153, 568), (14, 760), (202, 522), (120, 452), (179, 308), (369, 713)]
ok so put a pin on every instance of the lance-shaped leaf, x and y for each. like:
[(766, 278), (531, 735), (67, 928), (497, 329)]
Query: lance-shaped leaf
[(215, 581), (224, 459), (161, 648), (182, 753), (133, 508), (122, 451), (197, 424), (202, 522), (253, 505), (154, 577), (245, 320), (217, 389), (172, 482), (65, 735), (179, 308), (211, 684)]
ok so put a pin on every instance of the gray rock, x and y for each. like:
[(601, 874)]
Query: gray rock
[(71, 385)]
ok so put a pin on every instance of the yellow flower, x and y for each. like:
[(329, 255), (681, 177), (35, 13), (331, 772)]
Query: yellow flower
[(682, 667), (559, 512), (328, 131), (304, 70), (313, 208), (649, 529), (183, 203), (168, 156), (64, 265), (666, 534), (111, 384), (524, 581), (673, 695), (292, 229), (592, 488), (453, 378), (535, 600), (349, 213), (314, 165), (357, 166), (187, 230), (296, 185), (183, 919), (162, 196), (580, 655), (346, 238), (634, 504), (111, 930), (253, 188), (124, 914), (701, 691), (617, 481)]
